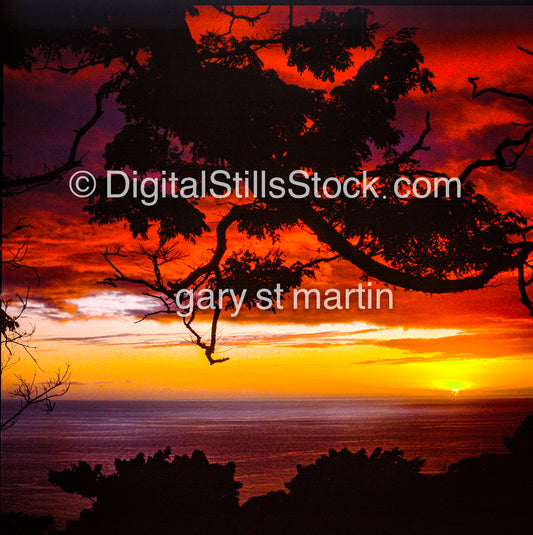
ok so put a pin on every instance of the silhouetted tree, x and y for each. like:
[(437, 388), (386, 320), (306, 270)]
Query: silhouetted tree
[(15, 337), (22, 524), (154, 495), (340, 478), (191, 106), (344, 489), (521, 443), (29, 391), (493, 491), (341, 492), (347, 493)]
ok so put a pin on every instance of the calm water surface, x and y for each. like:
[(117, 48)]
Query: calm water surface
[(266, 439)]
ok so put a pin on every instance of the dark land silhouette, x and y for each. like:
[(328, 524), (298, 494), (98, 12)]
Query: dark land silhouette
[(342, 492)]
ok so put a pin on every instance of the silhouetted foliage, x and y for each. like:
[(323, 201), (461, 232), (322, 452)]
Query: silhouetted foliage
[(154, 495), (521, 443), (22, 524), (384, 493), (342, 478), (340, 493), (191, 106), (15, 340), (494, 484)]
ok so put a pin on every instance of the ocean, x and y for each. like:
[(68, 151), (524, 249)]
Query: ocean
[(265, 438)]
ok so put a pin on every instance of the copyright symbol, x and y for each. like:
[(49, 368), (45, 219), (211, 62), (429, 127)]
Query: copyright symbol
[(82, 184)]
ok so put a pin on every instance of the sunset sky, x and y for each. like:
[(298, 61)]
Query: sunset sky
[(479, 342)]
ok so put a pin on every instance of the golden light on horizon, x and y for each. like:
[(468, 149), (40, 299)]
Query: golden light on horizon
[(454, 387)]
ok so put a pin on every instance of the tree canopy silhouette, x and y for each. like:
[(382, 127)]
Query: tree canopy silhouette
[(340, 479), (153, 495), (341, 492), (521, 443), (199, 106)]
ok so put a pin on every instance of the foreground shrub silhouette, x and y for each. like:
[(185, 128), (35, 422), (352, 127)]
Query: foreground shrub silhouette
[(22, 524), (153, 495), (384, 493), (337, 478), (342, 492), (498, 488), (521, 443)]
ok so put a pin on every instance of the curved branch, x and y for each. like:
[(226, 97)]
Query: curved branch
[(419, 145), (233, 215), (12, 186), (31, 394), (500, 160), (507, 94), (209, 349), (121, 277), (327, 234), (230, 12), (526, 50), (82, 64)]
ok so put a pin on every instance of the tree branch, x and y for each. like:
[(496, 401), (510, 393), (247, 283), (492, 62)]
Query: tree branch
[(329, 235), (32, 394), (507, 94), (527, 51), (230, 12), (17, 186)]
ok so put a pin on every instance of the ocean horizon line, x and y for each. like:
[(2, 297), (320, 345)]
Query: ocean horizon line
[(444, 397)]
